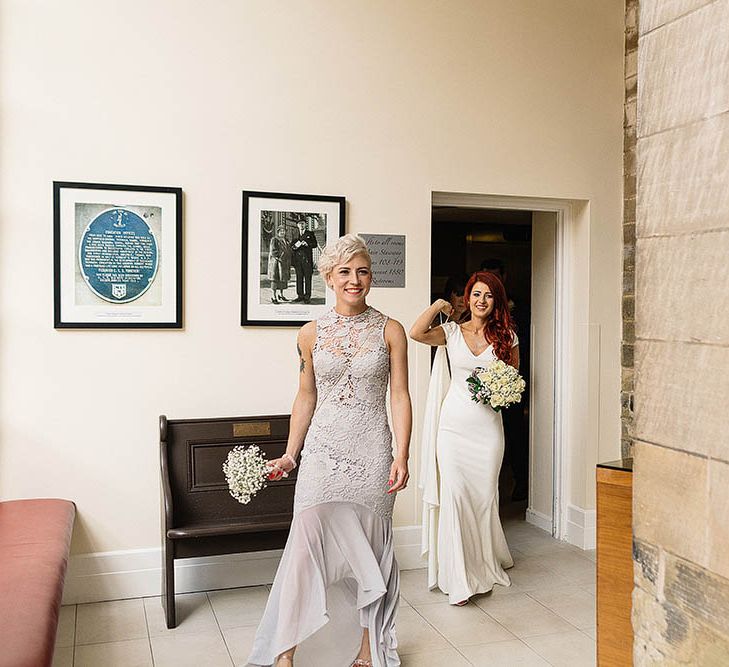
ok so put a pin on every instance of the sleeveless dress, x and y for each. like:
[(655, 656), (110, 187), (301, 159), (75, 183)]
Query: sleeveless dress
[(338, 572), (471, 548)]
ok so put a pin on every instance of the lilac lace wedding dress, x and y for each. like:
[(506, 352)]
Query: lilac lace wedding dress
[(338, 572)]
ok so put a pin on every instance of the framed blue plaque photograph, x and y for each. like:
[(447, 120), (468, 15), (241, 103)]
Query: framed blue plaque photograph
[(117, 256)]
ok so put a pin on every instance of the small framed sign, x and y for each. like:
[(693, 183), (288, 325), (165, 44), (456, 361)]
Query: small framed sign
[(117, 256), (388, 259)]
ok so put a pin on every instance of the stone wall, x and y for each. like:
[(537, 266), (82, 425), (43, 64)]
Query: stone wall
[(681, 485), (629, 191)]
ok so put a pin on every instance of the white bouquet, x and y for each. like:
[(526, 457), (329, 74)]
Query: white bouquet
[(246, 472), (499, 385)]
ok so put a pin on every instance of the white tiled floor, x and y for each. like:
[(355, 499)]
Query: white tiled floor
[(547, 617)]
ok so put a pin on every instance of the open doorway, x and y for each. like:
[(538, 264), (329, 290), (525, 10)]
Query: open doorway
[(519, 245)]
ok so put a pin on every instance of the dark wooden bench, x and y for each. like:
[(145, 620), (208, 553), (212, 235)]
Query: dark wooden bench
[(199, 516)]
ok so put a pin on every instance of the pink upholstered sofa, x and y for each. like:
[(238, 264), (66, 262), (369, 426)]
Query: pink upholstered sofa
[(35, 538)]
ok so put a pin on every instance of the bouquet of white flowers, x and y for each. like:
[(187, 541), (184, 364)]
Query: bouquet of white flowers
[(499, 385), (246, 472)]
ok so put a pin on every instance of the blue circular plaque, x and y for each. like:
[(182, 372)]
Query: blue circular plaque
[(118, 255)]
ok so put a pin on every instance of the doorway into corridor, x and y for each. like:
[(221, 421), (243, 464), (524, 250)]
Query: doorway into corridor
[(518, 245)]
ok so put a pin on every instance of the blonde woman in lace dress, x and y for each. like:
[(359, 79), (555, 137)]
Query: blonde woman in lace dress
[(334, 598)]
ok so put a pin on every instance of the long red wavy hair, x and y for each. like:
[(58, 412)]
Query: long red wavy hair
[(499, 329)]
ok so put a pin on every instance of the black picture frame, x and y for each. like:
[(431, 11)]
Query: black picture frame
[(263, 253), (117, 256)]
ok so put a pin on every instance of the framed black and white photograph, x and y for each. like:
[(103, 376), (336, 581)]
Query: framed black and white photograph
[(283, 235), (117, 256)]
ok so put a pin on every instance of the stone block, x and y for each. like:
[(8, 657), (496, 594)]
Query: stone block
[(630, 183), (626, 404), (668, 636), (631, 89), (681, 393), (628, 280), (629, 119), (626, 449), (662, 632), (628, 305), (655, 13), (670, 500), (631, 72), (711, 649), (698, 592), (646, 566), (629, 333), (629, 233), (683, 69), (719, 518), (683, 179), (627, 379), (628, 258), (629, 162), (631, 25), (632, 10), (682, 287), (627, 354), (630, 135), (629, 216)]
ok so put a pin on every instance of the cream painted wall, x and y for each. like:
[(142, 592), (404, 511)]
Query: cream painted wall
[(383, 102)]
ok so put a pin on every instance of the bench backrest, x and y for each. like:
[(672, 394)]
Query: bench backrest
[(193, 451)]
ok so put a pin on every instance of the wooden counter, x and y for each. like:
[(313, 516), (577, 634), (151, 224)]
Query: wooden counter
[(614, 563)]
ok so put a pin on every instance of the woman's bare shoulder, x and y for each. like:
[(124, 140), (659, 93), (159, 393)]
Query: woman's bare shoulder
[(394, 326), (307, 335), (395, 334)]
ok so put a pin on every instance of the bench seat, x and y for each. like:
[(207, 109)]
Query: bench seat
[(233, 527), (35, 538)]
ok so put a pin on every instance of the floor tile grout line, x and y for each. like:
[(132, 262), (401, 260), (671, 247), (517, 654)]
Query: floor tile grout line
[(495, 620), (447, 641), (75, 630), (112, 641), (220, 629), (73, 650), (555, 613), (588, 636), (149, 634), (499, 623), (491, 618)]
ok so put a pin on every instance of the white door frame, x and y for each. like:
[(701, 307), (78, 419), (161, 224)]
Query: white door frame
[(564, 271)]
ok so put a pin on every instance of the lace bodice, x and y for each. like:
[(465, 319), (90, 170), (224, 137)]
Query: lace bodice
[(348, 449)]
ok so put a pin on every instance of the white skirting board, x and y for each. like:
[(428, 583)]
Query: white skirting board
[(539, 520), (581, 527), (117, 575)]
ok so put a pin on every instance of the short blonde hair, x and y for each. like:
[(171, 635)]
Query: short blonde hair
[(340, 252)]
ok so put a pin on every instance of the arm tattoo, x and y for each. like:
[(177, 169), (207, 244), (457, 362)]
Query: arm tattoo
[(302, 363)]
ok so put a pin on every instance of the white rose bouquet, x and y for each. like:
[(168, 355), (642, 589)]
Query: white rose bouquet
[(499, 385), (246, 472)]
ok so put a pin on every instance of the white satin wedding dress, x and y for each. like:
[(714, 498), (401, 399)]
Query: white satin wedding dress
[(471, 551)]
